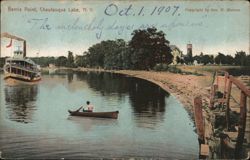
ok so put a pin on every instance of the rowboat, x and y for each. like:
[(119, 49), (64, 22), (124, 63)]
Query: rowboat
[(113, 114)]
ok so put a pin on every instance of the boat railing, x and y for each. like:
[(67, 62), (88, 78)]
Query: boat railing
[(30, 69)]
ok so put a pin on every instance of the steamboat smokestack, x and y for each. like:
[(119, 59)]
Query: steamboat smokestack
[(24, 48)]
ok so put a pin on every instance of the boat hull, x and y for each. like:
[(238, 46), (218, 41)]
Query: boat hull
[(20, 77), (113, 115)]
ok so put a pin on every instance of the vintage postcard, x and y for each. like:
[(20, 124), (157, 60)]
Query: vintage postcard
[(122, 79)]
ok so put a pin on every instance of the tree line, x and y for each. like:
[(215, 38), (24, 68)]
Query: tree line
[(239, 59), (146, 49)]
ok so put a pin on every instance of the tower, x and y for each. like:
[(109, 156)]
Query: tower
[(189, 50), (189, 56)]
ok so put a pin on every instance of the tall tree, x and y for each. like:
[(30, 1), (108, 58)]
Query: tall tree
[(80, 61), (96, 55), (70, 62), (61, 61), (248, 60), (148, 48), (229, 60), (115, 58), (110, 54), (220, 58), (240, 58), (44, 61), (2, 61), (206, 59), (197, 58)]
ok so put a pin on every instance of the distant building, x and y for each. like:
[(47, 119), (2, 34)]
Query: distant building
[(189, 56), (52, 65), (189, 50), (176, 52)]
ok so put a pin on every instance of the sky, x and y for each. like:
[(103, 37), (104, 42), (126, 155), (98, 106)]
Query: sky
[(52, 28)]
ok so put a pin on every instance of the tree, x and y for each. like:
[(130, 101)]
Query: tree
[(80, 61), (146, 49), (198, 58), (248, 60), (110, 54), (240, 58), (189, 59), (126, 58), (2, 61), (70, 60), (149, 47), (85, 60), (115, 56), (179, 60), (96, 55), (44, 61), (220, 58), (229, 60), (61, 61), (206, 59)]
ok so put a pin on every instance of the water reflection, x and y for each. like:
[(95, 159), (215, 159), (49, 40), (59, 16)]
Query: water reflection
[(144, 127), (20, 102), (70, 77), (147, 100), (146, 97), (90, 123), (106, 83)]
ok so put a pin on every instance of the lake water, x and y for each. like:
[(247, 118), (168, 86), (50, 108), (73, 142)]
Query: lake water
[(34, 122)]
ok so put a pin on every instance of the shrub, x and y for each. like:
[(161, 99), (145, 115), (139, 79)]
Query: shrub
[(158, 67), (161, 67), (174, 69), (165, 67)]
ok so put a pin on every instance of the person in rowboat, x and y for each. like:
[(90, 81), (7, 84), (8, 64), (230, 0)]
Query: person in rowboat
[(90, 107)]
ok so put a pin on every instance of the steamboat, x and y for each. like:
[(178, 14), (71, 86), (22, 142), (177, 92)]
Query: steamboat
[(19, 67)]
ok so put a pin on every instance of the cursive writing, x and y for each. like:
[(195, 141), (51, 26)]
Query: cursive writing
[(100, 26)]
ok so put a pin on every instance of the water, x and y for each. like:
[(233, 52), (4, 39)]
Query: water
[(34, 122)]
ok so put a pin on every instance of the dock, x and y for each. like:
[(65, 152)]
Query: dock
[(223, 126)]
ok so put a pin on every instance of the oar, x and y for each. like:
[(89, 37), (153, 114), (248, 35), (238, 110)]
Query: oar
[(79, 109)]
